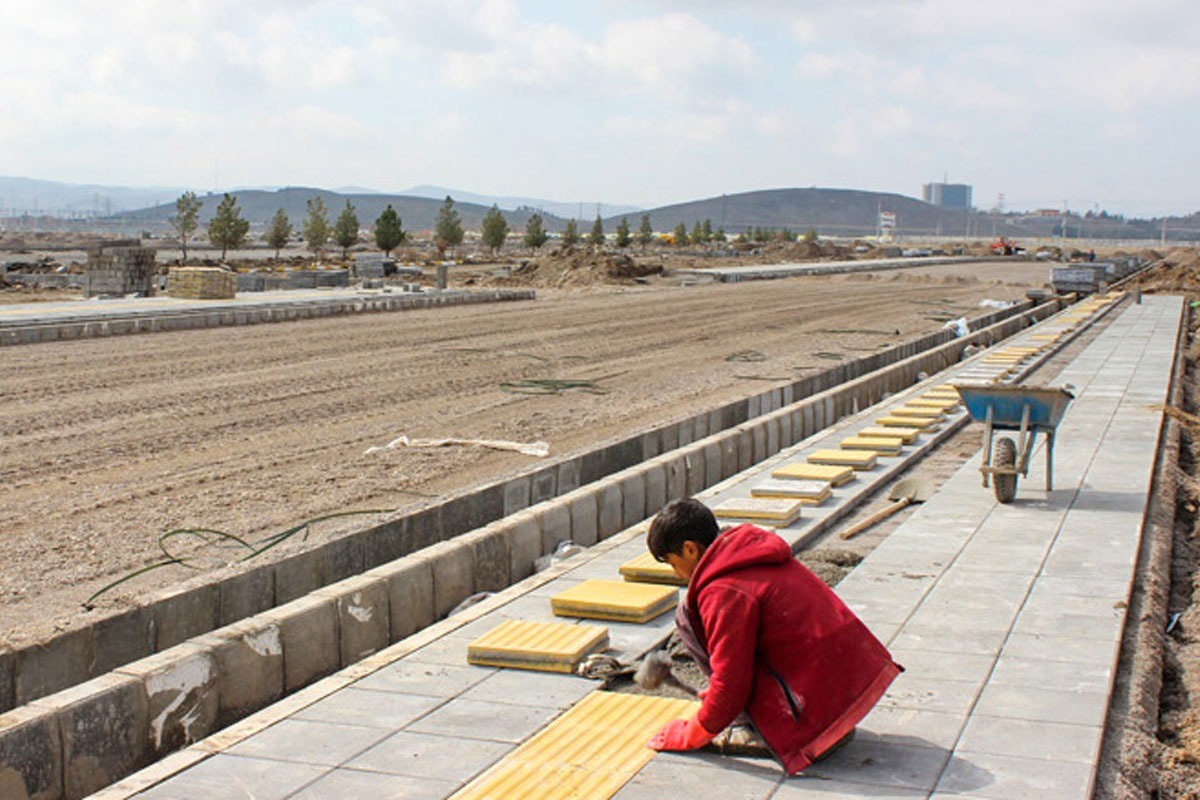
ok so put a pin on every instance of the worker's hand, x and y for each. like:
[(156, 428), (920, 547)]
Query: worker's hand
[(681, 734)]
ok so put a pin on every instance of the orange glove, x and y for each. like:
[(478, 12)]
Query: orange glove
[(681, 734)]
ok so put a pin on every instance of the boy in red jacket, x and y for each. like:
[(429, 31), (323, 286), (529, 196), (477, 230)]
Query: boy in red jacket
[(778, 643)]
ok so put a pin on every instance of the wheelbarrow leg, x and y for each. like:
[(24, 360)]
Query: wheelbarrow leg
[(1025, 443), (987, 445), (1050, 460)]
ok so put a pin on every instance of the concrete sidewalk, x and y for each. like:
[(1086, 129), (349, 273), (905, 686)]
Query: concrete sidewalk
[(1007, 618)]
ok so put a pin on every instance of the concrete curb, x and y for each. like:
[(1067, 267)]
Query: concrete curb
[(223, 313)]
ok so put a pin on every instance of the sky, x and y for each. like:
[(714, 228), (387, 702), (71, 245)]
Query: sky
[(1091, 103)]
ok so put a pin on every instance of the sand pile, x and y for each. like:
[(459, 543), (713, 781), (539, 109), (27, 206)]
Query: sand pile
[(583, 267), (809, 251), (1178, 271)]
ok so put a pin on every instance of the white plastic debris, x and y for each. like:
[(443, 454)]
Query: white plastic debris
[(566, 549), (538, 449), (959, 326)]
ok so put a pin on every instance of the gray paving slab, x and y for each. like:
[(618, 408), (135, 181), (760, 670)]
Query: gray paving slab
[(1009, 778), (351, 784), (429, 756), (1006, 619), (231, 777), (307, 742), (461, 718), (689, 777), (531, 688), (434, 680), (374, 709), (1022, 738)]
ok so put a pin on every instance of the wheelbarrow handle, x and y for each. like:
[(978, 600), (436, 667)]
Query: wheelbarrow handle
[(878, 516)]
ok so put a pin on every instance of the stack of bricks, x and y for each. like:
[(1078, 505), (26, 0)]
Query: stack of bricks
[(201, 283), (372, 265), (121, 269)]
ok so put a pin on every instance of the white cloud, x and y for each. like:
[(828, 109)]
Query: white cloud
[(1121, 130), (805, 30), (313, 122), (685, 127), (857, 133), (671, 54)]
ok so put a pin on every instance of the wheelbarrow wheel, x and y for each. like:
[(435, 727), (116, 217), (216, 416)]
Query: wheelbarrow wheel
[(1005, 455)]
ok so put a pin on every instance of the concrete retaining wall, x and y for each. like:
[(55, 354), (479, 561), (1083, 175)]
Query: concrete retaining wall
[(347, 599), (774, 271), (118, 324)]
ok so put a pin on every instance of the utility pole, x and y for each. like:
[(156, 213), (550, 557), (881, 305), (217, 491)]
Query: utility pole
[(1164, 232)]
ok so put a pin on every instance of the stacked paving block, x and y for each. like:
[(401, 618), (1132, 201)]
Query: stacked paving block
[(855, 459), (545, 646), (781, 511), (810, 493), (202, 283), (120, 269), (833, 474), (618, 601), (646, 569)]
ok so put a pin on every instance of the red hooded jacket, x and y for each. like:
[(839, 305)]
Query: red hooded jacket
[(782, 646)]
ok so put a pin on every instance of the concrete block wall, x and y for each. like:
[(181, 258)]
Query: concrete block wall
[(68, 744), (119, 271), (26, 332)]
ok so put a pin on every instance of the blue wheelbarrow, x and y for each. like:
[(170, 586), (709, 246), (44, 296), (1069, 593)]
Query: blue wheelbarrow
[(1029, 410)]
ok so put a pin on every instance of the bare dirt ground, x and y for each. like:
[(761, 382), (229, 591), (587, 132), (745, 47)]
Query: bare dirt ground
[(107, 444)]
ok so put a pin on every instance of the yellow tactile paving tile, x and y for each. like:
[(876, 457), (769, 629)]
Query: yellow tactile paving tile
[(874, 444), (544, 646), (906, 435), (815, 491), (918, 413), (591, 751), (859, 460), (778, 510), (837, 476), (644, 569), (943, 404), (923, 423), (619, 601)]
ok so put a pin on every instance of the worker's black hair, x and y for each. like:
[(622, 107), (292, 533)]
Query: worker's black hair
[(680, 521)]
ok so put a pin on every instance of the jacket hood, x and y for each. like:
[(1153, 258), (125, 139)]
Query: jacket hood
[(738, 548)]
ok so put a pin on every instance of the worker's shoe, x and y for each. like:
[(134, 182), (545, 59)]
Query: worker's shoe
[(740, 740)]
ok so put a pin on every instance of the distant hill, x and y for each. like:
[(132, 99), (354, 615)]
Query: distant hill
[(565, 210), (837, 212), (72, 199), (831, 212), (416, 213)]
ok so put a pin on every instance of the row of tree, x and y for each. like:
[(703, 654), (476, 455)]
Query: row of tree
[(228, 229)]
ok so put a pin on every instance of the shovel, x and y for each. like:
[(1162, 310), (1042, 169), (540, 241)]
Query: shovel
[(905, 492)]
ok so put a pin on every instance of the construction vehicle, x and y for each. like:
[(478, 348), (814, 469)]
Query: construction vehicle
[(1004, 247)]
